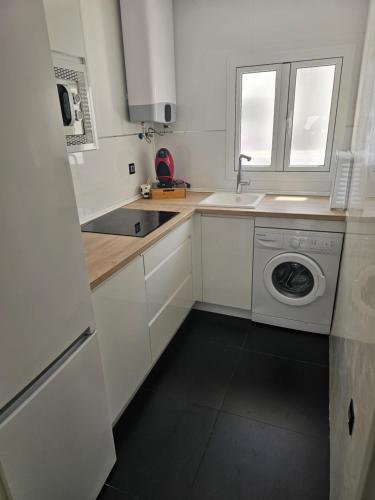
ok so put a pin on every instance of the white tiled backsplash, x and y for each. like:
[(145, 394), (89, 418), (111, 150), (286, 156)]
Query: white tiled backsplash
[(101, 178)]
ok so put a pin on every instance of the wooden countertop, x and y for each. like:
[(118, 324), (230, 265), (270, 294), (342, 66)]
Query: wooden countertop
[(105, 254), (295, 207)]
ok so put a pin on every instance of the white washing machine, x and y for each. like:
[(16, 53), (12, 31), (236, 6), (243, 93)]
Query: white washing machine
[(294, 278)]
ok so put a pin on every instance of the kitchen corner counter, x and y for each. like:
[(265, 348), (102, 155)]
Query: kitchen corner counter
[(105, 254)]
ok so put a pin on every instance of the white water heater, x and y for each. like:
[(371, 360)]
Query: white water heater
[(147, 30)]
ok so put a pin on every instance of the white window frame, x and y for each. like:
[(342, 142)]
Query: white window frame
[(276, 115), (294, 66), (291, 182), (285, 87)]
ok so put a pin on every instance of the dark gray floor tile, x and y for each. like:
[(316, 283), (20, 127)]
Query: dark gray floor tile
[(220, 328), (159, 444), (198, 372), (162, 437), (246, 460), (281, 392), (301, 346)]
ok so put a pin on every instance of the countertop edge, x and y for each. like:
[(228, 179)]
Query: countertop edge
[(273, 215)]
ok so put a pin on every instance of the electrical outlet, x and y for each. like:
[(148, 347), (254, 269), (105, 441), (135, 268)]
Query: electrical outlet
[(131, 168), (351, 417)]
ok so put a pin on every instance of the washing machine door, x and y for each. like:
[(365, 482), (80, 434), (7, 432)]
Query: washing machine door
[(294, 279)]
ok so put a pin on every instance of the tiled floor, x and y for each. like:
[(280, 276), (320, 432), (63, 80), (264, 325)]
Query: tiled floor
[(232, 411)]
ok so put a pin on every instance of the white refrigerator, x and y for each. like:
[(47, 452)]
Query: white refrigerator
[(56, 439)]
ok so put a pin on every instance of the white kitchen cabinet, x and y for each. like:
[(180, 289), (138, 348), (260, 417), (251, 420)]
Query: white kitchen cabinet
[(161, 251), (166, 323), (121, 318), (65, 26), (227, 256), (197, 257), (169, 285), (162, 283)]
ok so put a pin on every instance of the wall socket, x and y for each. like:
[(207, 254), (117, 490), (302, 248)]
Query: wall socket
[(131, 168)]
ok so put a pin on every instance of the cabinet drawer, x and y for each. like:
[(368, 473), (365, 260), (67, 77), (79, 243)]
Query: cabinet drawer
[(158, 252), (166, 323), (164, 280)]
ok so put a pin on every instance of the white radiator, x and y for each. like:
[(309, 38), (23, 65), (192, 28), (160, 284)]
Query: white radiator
[(341, 186)]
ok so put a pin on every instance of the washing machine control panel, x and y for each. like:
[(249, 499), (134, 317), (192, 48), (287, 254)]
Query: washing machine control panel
[(312, 243), (298, 241)]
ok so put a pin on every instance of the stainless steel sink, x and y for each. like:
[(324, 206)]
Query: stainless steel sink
[(233, 200)]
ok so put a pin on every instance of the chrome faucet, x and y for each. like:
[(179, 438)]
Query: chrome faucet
[(239, 182)]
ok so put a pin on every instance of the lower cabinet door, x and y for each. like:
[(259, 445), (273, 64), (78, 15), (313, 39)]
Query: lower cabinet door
[(121, 318), (167, 321), (227, 256)]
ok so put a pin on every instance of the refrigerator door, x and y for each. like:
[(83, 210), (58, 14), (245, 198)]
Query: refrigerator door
[(45, 301), (58, 443), (3, 496)]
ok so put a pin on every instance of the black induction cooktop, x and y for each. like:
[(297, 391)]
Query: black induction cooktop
[(128, 222)]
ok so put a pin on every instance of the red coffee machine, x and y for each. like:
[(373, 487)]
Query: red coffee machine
[(164, 167)]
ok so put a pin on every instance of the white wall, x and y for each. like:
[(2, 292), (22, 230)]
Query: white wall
[(352, 342), (101, 178), (207, 32)]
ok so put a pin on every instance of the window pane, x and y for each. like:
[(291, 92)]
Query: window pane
[(312, 107), (257, 112)]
